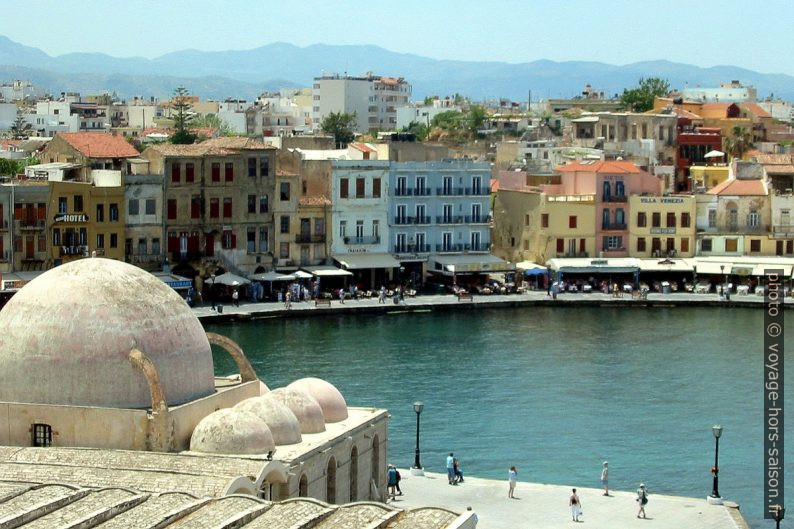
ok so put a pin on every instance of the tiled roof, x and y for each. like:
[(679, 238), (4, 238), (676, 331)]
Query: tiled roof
[(316, 200), (601, 166), (363, 147), (737, 187), (99, 144), (773, 159), (684, 113), (5, 144), (494, 185), (196, 149), (237, 143), (755, 108)]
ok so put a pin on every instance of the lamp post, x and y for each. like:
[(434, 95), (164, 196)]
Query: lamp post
[(212, 291), (417, 468), (724, 280), (715, 494), (778, 516)]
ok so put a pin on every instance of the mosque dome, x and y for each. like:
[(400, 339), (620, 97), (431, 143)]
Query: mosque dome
[(279, 418), (68, 333), (305, 408), (327, 396), (231, 431)]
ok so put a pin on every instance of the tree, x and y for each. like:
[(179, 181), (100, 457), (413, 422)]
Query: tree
[(640, 99), (9, 167), (420, 130), (340, 125), (20, 129), (475, 117), (182, 116), (449, 120), (212, 121), (739, 142)]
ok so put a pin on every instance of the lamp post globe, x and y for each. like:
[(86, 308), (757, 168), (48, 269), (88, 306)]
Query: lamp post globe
[(417, 468), (716, 430)]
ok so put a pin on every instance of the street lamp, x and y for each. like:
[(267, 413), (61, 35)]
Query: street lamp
[(724, 280), (417, 468), (778, 515), (717, 431), (212, 292)]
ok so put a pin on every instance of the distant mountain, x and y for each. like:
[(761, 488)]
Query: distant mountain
[(244, 73)]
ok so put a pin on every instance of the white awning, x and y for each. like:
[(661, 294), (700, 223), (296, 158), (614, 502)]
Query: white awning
[(300, 274), (174, 281), (271, 276), (712, 267), (665, 265), (471, 263), (229, 279), (358, 261), (758, 270), (529, 265), (326, 271)]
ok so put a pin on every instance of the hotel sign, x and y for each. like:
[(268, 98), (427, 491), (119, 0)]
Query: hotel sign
[(663, 231), (662, 200), (71, 218)]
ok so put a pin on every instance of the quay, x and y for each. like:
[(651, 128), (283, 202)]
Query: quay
[(449, 302), (543, 506)]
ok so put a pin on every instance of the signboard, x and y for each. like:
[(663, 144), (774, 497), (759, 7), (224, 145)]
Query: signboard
[(661, 200), (66, 217), (597, 262), (663, 231), (180, 284), (74, 250)]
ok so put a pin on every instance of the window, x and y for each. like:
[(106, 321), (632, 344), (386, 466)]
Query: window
[(100, 213), (613, 242), (670, 244), (343, 188), (214, 208), (62, 207), (656, 245), (114, 240), (376, 188), (526, 220), (132, 207), (685, 245), (264, 166), (360, 187), (572, 221), (56, 236), (342, 228), (227, 207), (216, 172), (620, 189), (304, 187), (671, 220), (755, 245), (712, 218), (175, 173), (705, 245), (733, 218), (141, 246), (359, 229), (189, 172), (114, 213), (544, 220), (731, 245), (263, 240), (285, 224), (228, 240), (642, 219), (195, 207), (251, 203), (229, 172), (42, 435), (171, 209), (251, 166), (376, 229), (656, 219), (641, 244), (560, 245), (283, 250), (263, 204), (78, 203), (753, 220), (284, 190), (100, 240), (789, 247), (607, 191), (685, 220), (250, 240), (151, 206), (605, 218), (620, 217)]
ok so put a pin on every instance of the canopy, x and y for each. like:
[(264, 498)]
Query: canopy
[(582, 265), (536, 272), (174, 281), (714, 154), (229, 279), (471, 263), (300, 274), (358, 261), (713, 267), (666, 265), (529, 265), (271, 276), (326, 271)]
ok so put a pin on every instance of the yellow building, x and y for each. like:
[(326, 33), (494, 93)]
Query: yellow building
[(662, 226), (87, 217), (708, 176)]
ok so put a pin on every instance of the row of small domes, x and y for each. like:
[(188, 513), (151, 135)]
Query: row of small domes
[(279, 417)]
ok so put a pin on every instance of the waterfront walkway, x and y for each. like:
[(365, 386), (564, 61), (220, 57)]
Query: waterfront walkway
[(426, 303), (541, 506)]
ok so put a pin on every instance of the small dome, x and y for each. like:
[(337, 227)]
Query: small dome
[(230, 431), (282, 422), (305, 408), (327, 396)]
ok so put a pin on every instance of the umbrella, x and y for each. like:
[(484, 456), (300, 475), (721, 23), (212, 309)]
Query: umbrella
[(714, 154), (271, 276), (230, 279), (300, 274)]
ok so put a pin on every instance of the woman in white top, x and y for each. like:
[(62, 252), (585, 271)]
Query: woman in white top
[(511, 480)]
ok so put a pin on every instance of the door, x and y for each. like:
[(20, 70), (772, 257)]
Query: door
[(30, 248), (209, 250), (475, 212), (306, 230), (305, 255)]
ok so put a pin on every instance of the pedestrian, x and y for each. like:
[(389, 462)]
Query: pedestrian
[(382, 295), (511, 481), (392, 476), (342, 296), (457, 471), (236, 298), (451, 469), (287, 300), (605, 477), (576, 506), (399, 478), (642, 500)]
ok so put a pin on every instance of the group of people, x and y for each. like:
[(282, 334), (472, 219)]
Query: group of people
[(393, 482), (454, 473)]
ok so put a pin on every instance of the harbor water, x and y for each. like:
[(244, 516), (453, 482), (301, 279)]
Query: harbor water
[(554, 391)]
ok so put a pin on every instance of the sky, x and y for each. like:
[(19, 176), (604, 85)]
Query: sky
[(706, 33)]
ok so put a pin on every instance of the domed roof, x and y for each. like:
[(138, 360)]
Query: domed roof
[(305, 408), (282, 422), (230, 431), (68, 333), (327, 396)]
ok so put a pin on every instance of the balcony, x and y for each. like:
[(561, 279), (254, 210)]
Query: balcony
[(177, 257), (73, 250), (614, 226), (478, 191), (421, 192), (147, 258), (362, 240), (477, 219), (308, 238), (450, 191), (482, 247), (31, 224), (403, 191), (615, 198), (744, 228), (450, 219), (411, 248), (573, 254), (449, 248), (783, 231)]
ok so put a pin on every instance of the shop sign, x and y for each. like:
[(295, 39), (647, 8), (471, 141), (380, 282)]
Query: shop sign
[(74, 217), (663, 231)]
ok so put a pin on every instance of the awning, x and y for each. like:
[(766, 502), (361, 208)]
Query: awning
[(581, 265), (536, 272), (471, 263), (758, 270), (708, 267), (300, 274), (665, 265), (174, 281), (271, 276), (229, 279), (326, 271), (16, 280), (529, 265), (359, 261)]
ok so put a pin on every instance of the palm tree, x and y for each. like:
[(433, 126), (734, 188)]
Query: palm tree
[(739, 142)]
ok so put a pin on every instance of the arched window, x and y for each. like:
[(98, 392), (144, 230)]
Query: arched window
[(303, 487), (354, 474), (330, 481), (607, 192)]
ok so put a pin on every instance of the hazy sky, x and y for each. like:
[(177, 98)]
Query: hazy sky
[(756, 35)]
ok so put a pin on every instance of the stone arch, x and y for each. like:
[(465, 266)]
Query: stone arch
[(247, 373), (159, 438), (303, 486), (354, 474), (330, 480), (241, 485)]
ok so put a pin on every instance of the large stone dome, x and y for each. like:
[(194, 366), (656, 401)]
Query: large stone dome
[(68, 333)]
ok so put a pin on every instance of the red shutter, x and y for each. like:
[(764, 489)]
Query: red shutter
[(193, 243), (175, 173), (209, 245), (560, 245), (214, 208), (229, 172), (195, 208), (216, 172), (189, 172), (227, 208), (234, 241), (173, 242), (172, 209), (582, 247)]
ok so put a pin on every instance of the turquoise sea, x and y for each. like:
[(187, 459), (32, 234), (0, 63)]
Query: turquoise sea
[(554, 391)]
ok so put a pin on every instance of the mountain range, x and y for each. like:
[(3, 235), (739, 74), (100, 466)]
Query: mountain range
[(246, 73)]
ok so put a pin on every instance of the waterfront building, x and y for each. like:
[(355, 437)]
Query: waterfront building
[(23, 225), (662, 226), (90, 150), (143, 229), (217, 198), (285, 205)]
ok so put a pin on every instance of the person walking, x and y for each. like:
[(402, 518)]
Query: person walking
[(451, 469), (342, 296), (399, 478), (382, 295), (605, 477), (511, 481), (642, 500), (287, 300), (392, 483), (576, 506), (236, 298)]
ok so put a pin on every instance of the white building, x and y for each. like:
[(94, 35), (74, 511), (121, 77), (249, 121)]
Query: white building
[(374, 99), (17, 90), (733, 92), (420, 114)]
